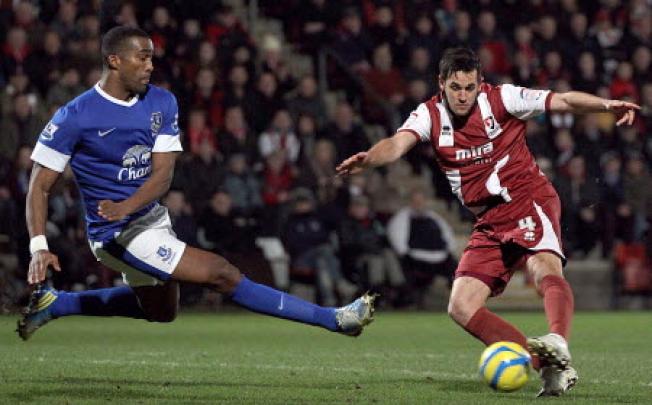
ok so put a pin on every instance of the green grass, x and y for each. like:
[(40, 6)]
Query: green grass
[(403, 358)]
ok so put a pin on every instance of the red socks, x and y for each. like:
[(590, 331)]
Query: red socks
[(490, 328), (559, 303)]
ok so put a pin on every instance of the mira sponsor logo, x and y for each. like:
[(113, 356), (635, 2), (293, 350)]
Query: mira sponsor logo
[(478, 151), (136, 163)]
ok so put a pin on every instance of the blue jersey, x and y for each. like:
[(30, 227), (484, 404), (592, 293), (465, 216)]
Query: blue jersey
[(109, 144)]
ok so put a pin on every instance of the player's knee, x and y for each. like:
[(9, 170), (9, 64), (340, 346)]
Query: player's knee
[(460, 310), (543, 265), (223, 276)]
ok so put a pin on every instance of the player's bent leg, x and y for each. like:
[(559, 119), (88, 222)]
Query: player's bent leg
[(203, 267), (546, 270), (467, 297), (160, 303), (467, 308)]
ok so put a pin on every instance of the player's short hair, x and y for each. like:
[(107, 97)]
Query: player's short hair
[(114, 40), (458, 60)]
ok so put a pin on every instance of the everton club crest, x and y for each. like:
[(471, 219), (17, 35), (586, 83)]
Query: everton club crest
[(157, 121)]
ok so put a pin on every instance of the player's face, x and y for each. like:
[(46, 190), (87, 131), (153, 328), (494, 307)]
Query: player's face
[(136, 66), (461, 90)]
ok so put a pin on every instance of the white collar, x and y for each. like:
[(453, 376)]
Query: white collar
[(112, 99)]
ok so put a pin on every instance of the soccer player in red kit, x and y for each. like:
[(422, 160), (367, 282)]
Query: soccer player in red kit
[(478, 134)]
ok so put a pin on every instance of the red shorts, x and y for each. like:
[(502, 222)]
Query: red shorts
[(506, 235)]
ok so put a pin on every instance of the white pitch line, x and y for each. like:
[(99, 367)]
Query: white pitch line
[(403, 371)]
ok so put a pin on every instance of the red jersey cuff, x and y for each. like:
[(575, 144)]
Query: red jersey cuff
[(413, 132), (548, 100)]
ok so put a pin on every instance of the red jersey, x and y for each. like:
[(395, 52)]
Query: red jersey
[(486, 160)]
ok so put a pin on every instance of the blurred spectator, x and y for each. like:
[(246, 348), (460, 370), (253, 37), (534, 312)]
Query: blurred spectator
[(198, 132), (278, 180), (266, 102), (307, 135), (579, 197), (318, 173), (239, 91), (591, 144), (614, 212), (209, 97), (364, 250), (424, 241), (226, 32), (385, 84), (280, 137), (417, 93), (306, 239), (347, 135), (552, 70), (587, 76), (547, 40), (421, 68), (642, 63), (493, 41), (21, 127), (565, 149), (64, 21), (189, 39), (637, 185), (222, 230), (307, 101), (199, 175), (236, 136), (162, 29), (383, 29), (15, 51), (68, 87), (314, 17), (622, 84), (424, 37), (272, 62), (46, 64), (579, 39), (523, 45), (352, 43), (183, 222), (462, 35), (243, 186)]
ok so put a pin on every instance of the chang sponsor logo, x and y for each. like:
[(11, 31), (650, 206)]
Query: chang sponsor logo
[(136, 163)]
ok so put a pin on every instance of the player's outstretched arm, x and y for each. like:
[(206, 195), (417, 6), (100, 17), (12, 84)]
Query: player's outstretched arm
[(154, 188), (36, 210), (579, 102), (386, 151)]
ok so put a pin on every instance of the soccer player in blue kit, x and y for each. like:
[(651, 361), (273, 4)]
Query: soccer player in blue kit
[(121, 140)]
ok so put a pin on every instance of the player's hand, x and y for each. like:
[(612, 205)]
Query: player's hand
[(624, 111), (112, 211), (39, 264), (353, 165)]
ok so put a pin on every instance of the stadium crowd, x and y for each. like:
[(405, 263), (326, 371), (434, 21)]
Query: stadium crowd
[(256, 181)]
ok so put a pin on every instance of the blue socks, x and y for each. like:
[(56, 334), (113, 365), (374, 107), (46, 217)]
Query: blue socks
[(117, 301), (122, 301), (266, 300)]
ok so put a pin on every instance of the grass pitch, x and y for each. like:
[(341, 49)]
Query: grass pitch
[(403, 358)]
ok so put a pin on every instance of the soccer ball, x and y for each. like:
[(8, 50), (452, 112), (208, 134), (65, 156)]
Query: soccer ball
[(505, 366)]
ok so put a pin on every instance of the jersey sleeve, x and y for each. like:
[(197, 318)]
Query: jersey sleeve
[(418, 123), (57, 141), (524, 103), (168, 137)]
